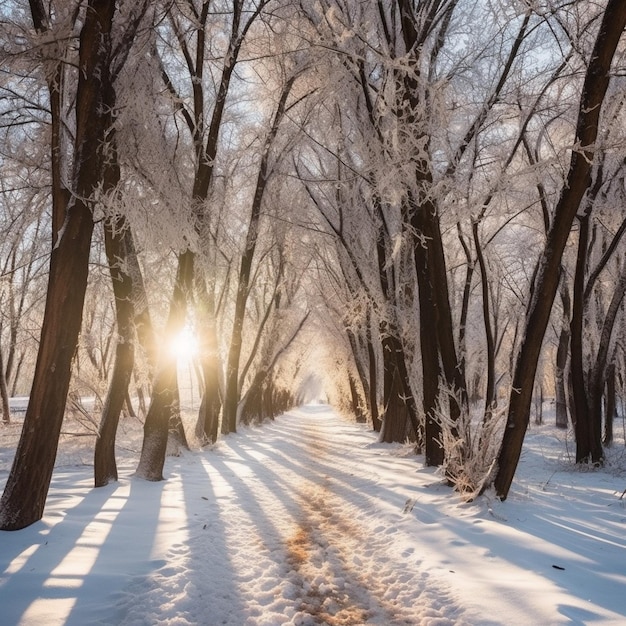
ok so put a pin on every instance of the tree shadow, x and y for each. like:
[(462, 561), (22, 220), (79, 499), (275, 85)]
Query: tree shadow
[(111, 546), (49, 562)]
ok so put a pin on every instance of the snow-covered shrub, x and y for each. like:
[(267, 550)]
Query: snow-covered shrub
[(471, 447)]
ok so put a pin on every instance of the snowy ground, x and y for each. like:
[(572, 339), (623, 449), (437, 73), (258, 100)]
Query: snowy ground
[(308, 520)]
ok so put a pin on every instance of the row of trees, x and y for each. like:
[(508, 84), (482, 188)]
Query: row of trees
[(475, 154), (384, 191)]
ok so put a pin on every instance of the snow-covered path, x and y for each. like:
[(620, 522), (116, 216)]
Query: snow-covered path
[(296, 505), (308, 520)]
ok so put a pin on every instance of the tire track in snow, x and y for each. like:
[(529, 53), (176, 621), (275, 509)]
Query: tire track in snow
[(343, 566)]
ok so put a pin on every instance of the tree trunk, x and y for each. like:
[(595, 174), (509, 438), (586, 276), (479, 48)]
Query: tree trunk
[(55, 81), (373, 383), (597, 377), (561, 359), (421, 218), (578, 181), (6, 408), (254, 403), (398, 400), (363, 375), (490, 392), (105, 467), (580, 386), (395, 416), (164, 406), (356, 400), (539, 404), (209, 413), (465, 301), (28, 483), (431, 372), (610, 406)]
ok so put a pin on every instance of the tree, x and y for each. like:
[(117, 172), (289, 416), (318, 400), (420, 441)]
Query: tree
[(205, 134), (24, 496), (544, 290)]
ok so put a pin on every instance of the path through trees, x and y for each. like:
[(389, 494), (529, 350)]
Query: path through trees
[(310, 520), (354, 191)]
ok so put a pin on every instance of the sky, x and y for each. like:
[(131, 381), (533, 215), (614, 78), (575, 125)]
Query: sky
[(310, 520)]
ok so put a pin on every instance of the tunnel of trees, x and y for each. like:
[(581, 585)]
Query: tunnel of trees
[(411, 209)]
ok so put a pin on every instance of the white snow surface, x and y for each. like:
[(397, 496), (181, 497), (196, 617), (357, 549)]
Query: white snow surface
[(309, 520)]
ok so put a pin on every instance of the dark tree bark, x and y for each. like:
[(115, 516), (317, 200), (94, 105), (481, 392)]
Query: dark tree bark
[(399, 404), (55, 80), (373, 379), (429, 351), (123, 265), (578, 181), (356, 400), (394, 425), (439, 358), (26, 489), (211, 401), (465, 301), (610, 406), (561, 359), (116, 235), (592, 445), (577, 359)]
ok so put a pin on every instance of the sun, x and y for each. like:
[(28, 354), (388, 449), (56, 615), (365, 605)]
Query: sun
[(185, 345)]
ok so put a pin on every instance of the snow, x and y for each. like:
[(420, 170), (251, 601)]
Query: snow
[(309, 520)]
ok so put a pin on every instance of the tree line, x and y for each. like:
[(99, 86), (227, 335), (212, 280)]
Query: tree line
[(421, 201)]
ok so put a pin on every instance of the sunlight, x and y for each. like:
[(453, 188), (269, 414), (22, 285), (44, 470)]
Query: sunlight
[(185, 345)]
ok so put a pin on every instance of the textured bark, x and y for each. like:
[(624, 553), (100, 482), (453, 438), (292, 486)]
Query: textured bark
[(422, 219), (355, 399), (363, 378), (55, 80), (465, 301), (399, 405), (395, 416), (209, 362), (578, 181), (597, 377), (429, 350)]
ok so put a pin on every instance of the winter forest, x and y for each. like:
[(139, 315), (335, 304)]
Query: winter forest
[(213, 212)]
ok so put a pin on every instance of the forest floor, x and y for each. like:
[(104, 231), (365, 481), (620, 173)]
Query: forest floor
[(309, 520)]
